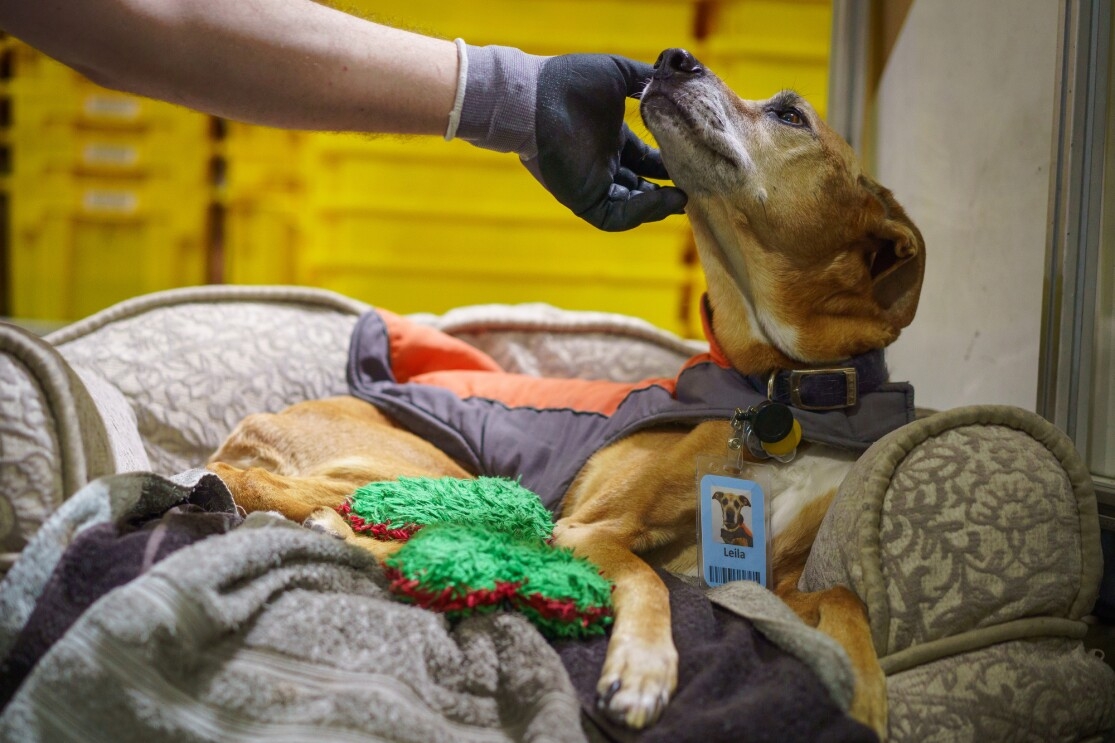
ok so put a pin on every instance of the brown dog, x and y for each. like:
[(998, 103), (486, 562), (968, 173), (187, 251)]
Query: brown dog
[(734, 529), (808, 261)]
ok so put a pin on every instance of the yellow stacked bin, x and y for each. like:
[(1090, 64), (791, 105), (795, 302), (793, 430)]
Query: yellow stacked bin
[(107, 193), (762, 46), (262, 191), (428, 230)]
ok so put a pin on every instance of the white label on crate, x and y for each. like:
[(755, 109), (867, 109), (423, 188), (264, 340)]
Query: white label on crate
[(115, 155), (114, 202), (112, 106)]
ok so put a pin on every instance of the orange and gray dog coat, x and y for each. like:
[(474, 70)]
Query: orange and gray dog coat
[(542, 430)]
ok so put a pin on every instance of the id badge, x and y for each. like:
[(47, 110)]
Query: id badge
[(733, 522)]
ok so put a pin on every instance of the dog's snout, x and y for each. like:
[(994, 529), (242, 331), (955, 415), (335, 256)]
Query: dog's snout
[(676, 62)]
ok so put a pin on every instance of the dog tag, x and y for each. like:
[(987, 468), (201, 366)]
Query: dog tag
[(733, 522)]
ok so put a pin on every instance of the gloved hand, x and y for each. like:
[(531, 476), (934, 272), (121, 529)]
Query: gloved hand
[(563, 116)]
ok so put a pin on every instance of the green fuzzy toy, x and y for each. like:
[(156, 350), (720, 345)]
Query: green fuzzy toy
[(477, 546)]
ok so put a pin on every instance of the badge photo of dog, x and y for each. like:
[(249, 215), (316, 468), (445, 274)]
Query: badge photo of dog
[(812, 269), (735, 514)]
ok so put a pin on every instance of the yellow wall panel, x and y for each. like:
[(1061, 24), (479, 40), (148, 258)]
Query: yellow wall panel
[(635, 28), (107, 193), (762, 46)]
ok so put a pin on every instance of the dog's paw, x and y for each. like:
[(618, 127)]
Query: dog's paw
[(328, 521), (637, 681)]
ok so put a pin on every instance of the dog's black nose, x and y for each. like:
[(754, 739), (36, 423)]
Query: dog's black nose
[(676, 62)]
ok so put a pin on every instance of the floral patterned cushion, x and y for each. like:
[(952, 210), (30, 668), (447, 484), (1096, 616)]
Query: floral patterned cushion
[(191, 363), (973, 535)]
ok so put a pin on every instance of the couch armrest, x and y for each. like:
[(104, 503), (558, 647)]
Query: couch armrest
[(973, 538), (191, 363), (52, 438)]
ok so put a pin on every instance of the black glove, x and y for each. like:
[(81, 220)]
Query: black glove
[(563, 116)]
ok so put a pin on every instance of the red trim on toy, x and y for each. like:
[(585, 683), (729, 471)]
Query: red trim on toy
[(450, 598), (383, 532), (564, 611), (455, 599)]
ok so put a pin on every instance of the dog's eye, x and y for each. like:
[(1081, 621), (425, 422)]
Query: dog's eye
[(790, 116)]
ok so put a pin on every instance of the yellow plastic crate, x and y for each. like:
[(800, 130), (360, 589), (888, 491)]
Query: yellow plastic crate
[(759, 78), (108, 193), (411, 290), (261, 161), (382, 257), (779, 29), (510, 247), (760, 47), (84, 104), (262, 244), (107, 198), (636, 29), (66, 266), (416, 183), (43, 91), (180, 155)]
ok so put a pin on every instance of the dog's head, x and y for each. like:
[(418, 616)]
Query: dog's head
[(807, 259), (732, 505)]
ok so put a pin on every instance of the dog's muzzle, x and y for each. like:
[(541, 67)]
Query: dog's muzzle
[(674, 64)]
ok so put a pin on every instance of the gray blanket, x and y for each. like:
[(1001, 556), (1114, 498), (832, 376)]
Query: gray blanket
[(274, 632)]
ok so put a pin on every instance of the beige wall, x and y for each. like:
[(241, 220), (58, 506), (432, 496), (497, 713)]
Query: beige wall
[(963, 136)]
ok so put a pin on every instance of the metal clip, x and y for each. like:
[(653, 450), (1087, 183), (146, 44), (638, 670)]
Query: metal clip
[(739, 418)]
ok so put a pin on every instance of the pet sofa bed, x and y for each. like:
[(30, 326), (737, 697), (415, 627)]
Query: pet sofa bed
[(138, 604)]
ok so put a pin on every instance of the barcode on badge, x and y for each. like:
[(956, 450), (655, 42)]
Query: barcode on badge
[(718, 575)]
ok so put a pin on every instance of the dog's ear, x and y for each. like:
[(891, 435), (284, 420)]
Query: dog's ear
[(895, 253)]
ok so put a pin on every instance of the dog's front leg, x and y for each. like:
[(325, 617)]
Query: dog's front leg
[(836, 611), (840, 614), (640, 669)]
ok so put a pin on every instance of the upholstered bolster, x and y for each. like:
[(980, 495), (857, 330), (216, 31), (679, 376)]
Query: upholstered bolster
[(1038, 689), (973, 538), (191, 363), (52, 441), (965, 520)]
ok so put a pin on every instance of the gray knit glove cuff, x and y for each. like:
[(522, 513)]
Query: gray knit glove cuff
[(499, 99)]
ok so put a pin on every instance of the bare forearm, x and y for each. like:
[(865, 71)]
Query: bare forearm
[(286, 63)]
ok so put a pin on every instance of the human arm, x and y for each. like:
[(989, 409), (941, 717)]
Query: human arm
[(291, 64)]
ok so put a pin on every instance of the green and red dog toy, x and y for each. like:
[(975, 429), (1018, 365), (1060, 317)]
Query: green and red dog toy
[(478, 546)]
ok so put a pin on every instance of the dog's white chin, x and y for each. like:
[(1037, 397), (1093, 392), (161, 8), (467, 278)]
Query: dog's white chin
[(700, 171), (699, 161)]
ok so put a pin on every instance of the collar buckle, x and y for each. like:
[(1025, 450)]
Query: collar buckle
[(835, 389)]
